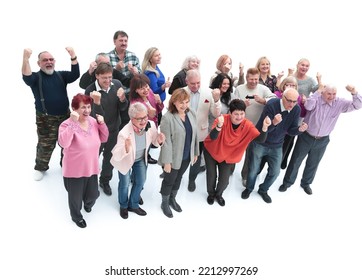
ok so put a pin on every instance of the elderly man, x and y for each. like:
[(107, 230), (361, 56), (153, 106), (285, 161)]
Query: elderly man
[(203, 103), (285, 115), (323, 109), (49, 88)]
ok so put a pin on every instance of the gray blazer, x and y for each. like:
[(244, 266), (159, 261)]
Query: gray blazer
[(175, 133)]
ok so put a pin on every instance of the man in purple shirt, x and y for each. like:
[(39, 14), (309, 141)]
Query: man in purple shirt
[(323, 109)]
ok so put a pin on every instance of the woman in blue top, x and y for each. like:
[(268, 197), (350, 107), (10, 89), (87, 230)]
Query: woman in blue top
[(158, 83)]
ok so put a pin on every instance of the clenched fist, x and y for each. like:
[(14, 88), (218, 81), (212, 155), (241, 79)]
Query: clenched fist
[(96, 96)]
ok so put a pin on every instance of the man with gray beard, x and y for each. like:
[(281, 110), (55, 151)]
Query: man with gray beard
[(49, 88)]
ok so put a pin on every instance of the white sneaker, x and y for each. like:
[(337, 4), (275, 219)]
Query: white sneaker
[(38, 175)]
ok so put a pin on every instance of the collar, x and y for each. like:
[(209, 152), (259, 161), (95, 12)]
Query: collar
[(282, 108), (98, 88)]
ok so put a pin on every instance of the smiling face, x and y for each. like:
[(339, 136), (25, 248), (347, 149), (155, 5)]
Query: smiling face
[(225, 85), (194, 64), (143, 91), (182, 106), (104, 80), (329, 94), (303, 67), (264, 66), (237, 117), (46, 63), (84, 111), (193, 82), (140, 120), (252, 80)]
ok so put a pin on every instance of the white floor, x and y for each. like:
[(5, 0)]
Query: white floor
[(296, 237)]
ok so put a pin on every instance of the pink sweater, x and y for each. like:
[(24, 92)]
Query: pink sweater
[(81, 148)]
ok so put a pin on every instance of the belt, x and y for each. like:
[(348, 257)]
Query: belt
[(315, 137)]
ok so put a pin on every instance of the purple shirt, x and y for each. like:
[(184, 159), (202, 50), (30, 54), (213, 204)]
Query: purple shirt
[(322, 116)]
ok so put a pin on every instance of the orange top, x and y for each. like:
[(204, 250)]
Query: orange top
[(231, 144)]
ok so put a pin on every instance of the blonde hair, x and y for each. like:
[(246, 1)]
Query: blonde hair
[(289, 79), (259, 62), (146, 63)]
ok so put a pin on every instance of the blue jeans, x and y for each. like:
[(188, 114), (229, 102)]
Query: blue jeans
[(139, 171), (273, 157), (306, 146)]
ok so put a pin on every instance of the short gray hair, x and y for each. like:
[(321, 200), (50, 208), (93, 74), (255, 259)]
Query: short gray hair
[(136, 108)]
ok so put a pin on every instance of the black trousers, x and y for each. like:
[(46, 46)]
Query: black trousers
[(172, 181), (81, 190), (216, 185)]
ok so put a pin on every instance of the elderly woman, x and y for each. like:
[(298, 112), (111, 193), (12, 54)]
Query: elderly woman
[(140, 91), (181, 147), (130, 156), (80, 136), (225, 146), (179, 80)]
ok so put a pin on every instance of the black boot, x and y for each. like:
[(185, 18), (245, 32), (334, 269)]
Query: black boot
[(175, 206), (165, 206)]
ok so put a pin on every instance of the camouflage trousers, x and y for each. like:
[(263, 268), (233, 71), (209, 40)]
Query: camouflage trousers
[(47, 130)]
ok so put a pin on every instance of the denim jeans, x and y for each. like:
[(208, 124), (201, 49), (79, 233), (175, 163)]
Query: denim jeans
[(273, 157), (306, 146), (139, 171)]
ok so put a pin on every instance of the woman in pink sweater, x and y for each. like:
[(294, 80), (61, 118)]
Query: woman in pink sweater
[(80, 136)]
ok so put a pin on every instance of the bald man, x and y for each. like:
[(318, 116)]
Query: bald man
[(284, 114), (323, 110)]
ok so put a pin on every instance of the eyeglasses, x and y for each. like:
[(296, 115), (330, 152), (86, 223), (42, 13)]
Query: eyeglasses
[(290, 101), (142, 119), (47, 59)]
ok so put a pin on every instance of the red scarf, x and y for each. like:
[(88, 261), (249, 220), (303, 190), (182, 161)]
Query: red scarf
[(231, 144)]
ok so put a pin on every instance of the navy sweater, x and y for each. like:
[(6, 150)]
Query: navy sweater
[(289, 124)]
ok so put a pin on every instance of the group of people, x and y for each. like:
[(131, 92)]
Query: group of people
[(121, 116)]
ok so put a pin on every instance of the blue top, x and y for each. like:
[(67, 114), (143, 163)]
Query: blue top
[(288, 125), (156, 83)]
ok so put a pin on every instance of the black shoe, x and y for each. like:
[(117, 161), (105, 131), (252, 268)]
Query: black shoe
[(81, 223), (307, 190), (138, 211), (88, 209), (220, 200), (151, 160), (124, 213), (140, 202), (265, 196), (283, 165), (283, 188), (106, 188), (210, 199), (245, 194), (202, 169), (192, 186)]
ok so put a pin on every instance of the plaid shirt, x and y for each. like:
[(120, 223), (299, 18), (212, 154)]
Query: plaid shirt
[(130, 57)]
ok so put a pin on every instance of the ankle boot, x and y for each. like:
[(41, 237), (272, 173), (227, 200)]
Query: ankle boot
[(165, 206), (175, 206)]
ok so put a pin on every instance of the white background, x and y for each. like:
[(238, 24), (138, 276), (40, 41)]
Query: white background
[(296, 237)]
